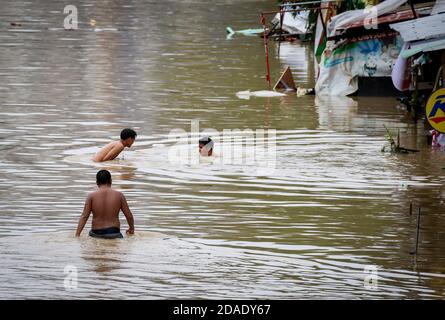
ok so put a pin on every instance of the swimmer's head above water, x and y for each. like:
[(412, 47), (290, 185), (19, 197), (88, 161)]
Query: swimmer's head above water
[(128, 136), (113, 149), (206, 146), (103, 178)]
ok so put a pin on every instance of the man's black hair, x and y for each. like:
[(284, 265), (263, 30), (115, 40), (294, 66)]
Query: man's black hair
[(103, 177), (128, 133), (204, 140)]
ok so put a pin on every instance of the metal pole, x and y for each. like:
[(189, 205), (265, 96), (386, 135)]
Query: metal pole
[(323, 22), (281, 29), (417, 232), (266, 49), (418, 229), (306, 2), (412, 8), (292, 10)]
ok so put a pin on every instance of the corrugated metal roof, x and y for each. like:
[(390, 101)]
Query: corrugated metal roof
[(392, 17), (439, 7), (422, 28), (423, 46)]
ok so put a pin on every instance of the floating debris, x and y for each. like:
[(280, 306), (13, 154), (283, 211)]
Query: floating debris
[(286, 81), (395, 145), (245, 32), (261, 93)]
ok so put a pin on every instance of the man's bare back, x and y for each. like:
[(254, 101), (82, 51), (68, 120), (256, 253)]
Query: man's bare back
[(105, 204), (109, 152), (113, 149)]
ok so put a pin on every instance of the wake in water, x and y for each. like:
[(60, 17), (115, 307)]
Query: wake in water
[(312, 158), (151, 265)]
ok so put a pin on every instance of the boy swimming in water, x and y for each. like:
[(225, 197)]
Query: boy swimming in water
[(113, 149), (105, 204), (206, 146)]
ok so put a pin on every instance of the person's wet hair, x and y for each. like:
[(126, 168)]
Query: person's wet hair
[(128, 133), (205, 140), (103, 177)]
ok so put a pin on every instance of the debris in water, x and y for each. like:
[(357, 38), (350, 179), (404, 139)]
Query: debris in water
[(262, 93), (395, 145), (245, 32), (286, 81)]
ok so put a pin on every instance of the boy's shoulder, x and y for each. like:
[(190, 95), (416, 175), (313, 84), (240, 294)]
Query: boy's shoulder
[(114, 143), (93, 194), (116, 192), (99, 193), (118, 143)]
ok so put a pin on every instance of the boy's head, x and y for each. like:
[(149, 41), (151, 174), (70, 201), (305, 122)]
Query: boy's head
[(103, 177), (206, 146), (128, 136)]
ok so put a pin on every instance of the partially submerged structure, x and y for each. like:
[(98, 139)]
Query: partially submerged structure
[(286, 81), (370, 47), (292, 23), (360, 48), (420, 67)]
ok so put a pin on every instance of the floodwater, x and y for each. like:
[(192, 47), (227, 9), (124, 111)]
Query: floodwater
[(331, 212)]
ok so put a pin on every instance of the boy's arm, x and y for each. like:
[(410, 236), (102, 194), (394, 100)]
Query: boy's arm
[(85, 215), (128, 215), (114, 152)]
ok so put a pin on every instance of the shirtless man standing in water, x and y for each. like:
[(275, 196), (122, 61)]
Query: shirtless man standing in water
[(113, 149), (105, 204)]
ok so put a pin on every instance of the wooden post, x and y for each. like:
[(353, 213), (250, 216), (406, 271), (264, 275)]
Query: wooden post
[(443, 68), (417, 232), (412, 9)]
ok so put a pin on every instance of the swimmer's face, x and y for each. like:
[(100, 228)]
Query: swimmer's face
[(203, 151), (128, 142)]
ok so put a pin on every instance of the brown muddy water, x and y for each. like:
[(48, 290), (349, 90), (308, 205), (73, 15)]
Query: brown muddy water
[(334, 207)]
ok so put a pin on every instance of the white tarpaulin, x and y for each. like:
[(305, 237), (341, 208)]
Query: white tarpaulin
[(351, 16), (401, 72), (297, 24), (339, 70)]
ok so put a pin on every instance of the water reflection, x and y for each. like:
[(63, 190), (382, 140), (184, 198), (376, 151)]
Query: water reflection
[(334, 204), (103, 257)]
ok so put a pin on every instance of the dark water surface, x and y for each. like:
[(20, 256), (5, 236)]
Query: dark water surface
[(334, 206)]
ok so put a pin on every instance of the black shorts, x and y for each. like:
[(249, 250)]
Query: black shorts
[(107, 233)]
